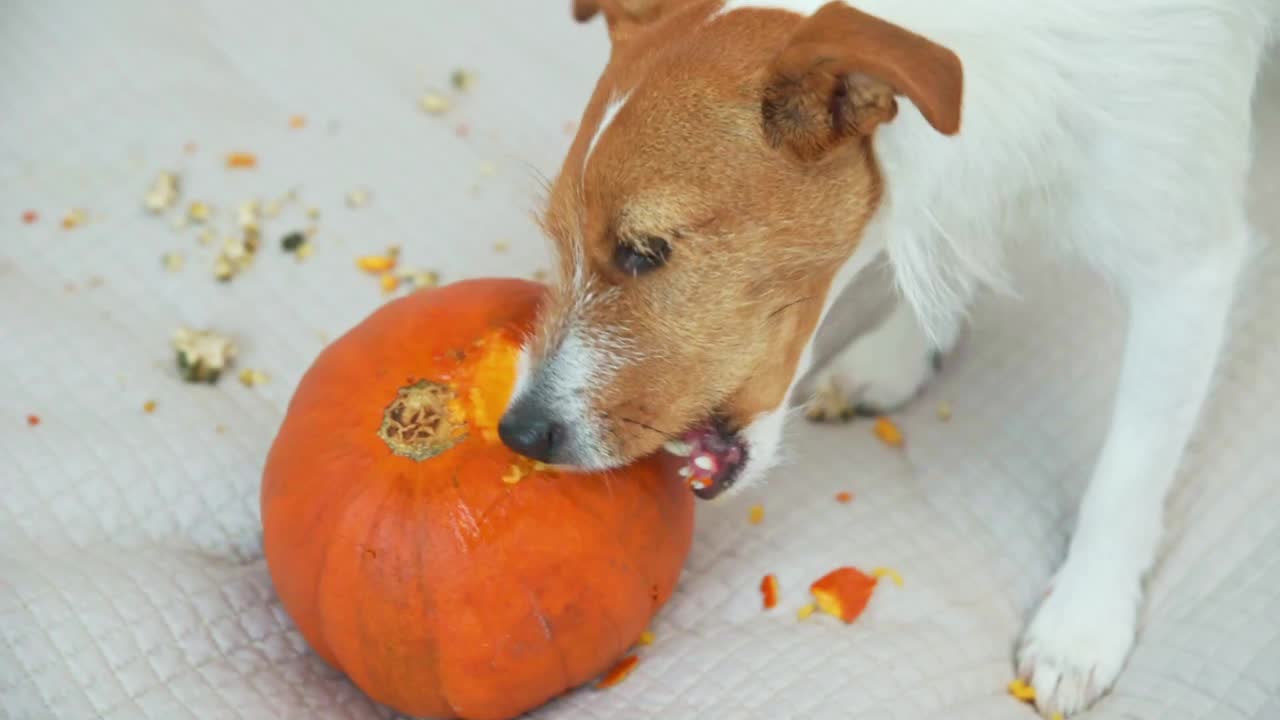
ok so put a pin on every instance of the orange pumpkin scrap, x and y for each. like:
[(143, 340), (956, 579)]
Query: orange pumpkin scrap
[(376, 263), (242, 160), (405, 558), (1021, 690), (888, 432), (843, 592), (769, 589), (883, 572), (618, 672)]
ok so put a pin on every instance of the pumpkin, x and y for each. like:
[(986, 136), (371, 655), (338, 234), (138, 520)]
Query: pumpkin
[(444, 574)]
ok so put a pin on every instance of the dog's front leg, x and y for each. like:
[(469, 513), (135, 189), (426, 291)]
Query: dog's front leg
[(1081, 635)]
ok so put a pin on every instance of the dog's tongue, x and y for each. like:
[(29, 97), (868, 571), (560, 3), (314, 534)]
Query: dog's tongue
[(713, 459)]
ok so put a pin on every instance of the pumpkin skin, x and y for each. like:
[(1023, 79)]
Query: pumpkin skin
[(438, 587)]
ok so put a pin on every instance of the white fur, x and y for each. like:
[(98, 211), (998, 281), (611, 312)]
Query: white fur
[(582, 360), (763, 439), (610, 112), (1117, 133), (524, 370), (584, 355)]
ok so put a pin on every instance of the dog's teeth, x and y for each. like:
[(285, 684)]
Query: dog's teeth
[(685, 471), (704, 462), (678, 447)]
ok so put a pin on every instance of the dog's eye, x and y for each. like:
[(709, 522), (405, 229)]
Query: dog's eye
[(638, 259)]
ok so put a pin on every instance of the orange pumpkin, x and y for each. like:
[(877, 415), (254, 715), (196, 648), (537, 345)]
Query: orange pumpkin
[(447, 576)]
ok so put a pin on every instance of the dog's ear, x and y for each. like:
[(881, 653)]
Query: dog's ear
[(621, 15), (584, 10), (839, 74)]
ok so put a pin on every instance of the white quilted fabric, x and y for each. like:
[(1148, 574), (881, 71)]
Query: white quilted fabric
[(131, 583)]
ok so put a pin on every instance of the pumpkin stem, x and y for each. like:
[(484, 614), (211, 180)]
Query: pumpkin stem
[(424, 420)]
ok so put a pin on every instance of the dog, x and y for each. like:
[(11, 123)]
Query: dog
[(740, 163)]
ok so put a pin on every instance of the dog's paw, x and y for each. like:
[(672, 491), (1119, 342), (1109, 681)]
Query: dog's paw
[(879, 372), (1078, 641), (829, 403)]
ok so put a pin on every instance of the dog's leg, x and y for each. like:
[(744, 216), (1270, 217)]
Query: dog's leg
[(878, 371), (1081, 635)]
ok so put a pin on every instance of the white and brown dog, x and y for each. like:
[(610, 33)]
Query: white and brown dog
[(740, 162)]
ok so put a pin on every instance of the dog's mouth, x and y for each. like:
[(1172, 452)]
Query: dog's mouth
[(714, 457)]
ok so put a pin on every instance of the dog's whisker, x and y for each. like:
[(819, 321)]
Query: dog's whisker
[(650, 428), (793, 303)]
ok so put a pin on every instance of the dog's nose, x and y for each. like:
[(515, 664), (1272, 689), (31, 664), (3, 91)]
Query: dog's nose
[(530, 430)]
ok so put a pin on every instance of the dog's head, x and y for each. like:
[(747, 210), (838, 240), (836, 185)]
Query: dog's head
[(721, 175)]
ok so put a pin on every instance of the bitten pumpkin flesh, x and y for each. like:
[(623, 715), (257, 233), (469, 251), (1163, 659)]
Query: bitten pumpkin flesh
[(447, 576)]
